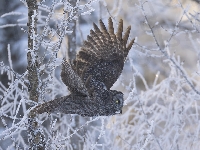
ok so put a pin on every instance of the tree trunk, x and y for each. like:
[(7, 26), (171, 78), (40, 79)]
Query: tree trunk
[(36, 138)]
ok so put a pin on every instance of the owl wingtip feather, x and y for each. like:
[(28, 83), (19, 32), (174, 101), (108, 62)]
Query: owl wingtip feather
[(120, 29), (130, 44)]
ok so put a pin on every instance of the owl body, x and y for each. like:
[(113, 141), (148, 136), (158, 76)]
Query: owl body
[(89, 78), (84, 106), (104, 71)]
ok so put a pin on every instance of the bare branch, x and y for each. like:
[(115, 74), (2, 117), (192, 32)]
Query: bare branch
[(165, 53)]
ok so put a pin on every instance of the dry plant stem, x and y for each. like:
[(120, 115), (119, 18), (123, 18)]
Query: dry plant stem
[(36, 138), (165, 53)]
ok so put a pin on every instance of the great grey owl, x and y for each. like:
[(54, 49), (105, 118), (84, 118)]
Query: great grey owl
[(89, 78)]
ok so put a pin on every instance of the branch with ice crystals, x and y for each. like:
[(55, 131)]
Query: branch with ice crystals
[(12, 13), (15, 80), (184, 74), (185, 12)]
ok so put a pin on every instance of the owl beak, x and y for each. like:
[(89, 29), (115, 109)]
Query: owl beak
[(119, 112)]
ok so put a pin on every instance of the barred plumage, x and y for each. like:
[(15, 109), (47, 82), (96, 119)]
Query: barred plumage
[(96, 68)]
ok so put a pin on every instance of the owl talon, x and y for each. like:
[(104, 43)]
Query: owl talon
[(91, 91), (87, 82), (83, 72)]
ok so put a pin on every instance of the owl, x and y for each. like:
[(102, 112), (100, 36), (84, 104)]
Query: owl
[(90, 76)]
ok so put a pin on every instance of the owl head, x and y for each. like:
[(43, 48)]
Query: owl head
[(113, 103), (117, 101), (110, 102)]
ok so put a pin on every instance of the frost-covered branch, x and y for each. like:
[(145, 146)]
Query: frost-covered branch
[(183, 73), (32, 51), (36, 138)]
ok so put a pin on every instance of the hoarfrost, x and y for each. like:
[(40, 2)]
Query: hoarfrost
[(161, 95)]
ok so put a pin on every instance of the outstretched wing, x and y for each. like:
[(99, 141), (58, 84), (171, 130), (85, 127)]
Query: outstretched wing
[(71, 79), (103, 54)]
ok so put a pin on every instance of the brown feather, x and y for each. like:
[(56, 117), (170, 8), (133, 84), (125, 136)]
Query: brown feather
[(126, 35), (120, 30), (104, 30), (96, 38), (128, 48), (130, 44), (98, 31), (88, 45), (95, 45), (104, 46), (111, 30)]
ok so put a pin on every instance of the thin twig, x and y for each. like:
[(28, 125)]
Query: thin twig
[(165, 53)]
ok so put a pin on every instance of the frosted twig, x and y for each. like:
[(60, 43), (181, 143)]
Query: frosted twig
[(6, 126), (68, 137), (12, 13), (185, 12), (149, 124), (9, 56), (166, 55)]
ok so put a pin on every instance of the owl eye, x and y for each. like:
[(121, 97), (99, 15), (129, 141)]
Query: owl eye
[(117, 101)]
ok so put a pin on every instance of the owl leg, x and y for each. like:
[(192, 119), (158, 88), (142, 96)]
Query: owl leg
[(88, 84), (91, 91)]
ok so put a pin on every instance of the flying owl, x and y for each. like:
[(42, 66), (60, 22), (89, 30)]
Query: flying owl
[(89, 78)]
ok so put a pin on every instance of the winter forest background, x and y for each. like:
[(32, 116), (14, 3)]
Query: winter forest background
[(160, 80)]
